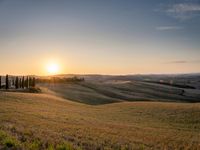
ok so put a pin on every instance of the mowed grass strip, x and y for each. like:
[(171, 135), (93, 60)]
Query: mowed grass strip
[(42, 121)]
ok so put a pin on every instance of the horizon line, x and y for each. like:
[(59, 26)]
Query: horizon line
[(99, 74)]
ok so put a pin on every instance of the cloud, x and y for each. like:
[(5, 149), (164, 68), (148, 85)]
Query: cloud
[(166, 28), (184, 8), (183, 62), (183, 11), (178, 62)]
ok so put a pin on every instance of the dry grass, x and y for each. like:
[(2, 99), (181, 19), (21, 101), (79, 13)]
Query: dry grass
[(105, 92), (41, 121)]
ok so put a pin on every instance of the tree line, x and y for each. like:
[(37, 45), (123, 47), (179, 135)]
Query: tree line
[(18, 82), (60, 80)]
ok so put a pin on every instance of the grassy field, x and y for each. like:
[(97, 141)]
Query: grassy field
[(43, 121), (110, 91)]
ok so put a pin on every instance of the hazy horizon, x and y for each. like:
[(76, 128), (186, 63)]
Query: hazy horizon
[(97, 74), (99, 37)]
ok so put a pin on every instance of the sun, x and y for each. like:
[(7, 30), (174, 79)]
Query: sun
[(53, 68)]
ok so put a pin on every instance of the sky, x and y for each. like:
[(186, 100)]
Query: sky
[(100, 36)]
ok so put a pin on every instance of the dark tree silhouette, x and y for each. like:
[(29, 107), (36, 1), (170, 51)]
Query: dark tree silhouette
[(13, 82), (30, 82), (17, 83), (20, 83), (27, 82), (0, 82), (7, 86), (33, 82), (23, 83)]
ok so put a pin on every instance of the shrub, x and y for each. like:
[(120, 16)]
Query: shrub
[(34, 90)]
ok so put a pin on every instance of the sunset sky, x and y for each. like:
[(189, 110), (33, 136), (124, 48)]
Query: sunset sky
[(100, 36)]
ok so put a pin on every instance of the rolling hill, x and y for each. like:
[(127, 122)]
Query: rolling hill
[(44, 121), (108, 89)]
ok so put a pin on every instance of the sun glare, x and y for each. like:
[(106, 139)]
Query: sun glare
[(53, 68)]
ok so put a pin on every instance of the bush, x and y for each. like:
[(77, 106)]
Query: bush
[(34, 90)]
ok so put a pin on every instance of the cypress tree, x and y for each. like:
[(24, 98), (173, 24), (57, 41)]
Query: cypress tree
[(20, 83), (33, 82), (17, 83), (7, 86), (26, 82), (30, 82), (0, 82), (13, 82), (23, 82)]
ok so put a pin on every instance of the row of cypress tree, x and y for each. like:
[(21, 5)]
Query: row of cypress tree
[(19, 82)]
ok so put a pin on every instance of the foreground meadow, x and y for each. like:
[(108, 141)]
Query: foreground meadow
[(43, 121)]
